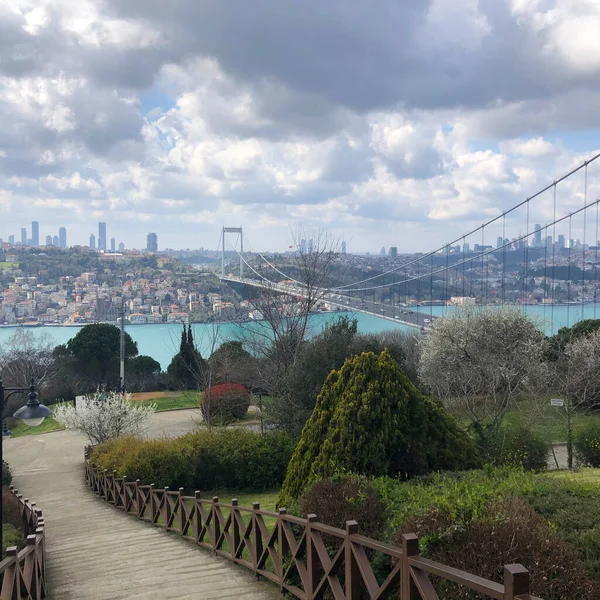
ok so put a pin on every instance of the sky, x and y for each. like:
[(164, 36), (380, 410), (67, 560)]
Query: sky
[(377, 121)]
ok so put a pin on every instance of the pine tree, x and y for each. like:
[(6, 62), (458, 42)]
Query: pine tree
[(370, 419)]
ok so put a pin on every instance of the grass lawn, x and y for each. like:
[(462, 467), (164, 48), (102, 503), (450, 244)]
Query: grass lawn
[(20, 429), (580, 476), (169, 400), (267, 500)]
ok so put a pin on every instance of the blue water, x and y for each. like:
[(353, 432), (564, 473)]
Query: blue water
[(161, 342)]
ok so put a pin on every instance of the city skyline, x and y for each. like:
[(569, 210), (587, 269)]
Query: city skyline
[(455, 111)]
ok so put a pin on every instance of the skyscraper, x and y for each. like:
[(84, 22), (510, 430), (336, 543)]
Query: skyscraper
[(310, 245), (382, 251), (92, 242), (303, 246), (152, 242), (343, 247), (35, 233), (121, 247), (499, 242), (62, 237), (102, 236), (23, 236), (48, 240), (113, 244), (56, 241), (537, 236), (11, 240), (393, 252), (561, 241)]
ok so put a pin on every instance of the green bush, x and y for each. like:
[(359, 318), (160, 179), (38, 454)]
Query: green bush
[(370, 419), (11, 536), (225, 403), (587, 444), (339, 500), (6, 473), (508, 531), (514, 447), (236, 459)]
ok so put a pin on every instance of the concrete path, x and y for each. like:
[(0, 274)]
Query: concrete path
[(96, 552)]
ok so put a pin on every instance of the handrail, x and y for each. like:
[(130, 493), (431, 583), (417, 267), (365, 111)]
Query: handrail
[(23, 573), (302, 556)]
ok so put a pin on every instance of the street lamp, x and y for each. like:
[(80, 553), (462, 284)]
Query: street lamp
[(33, 413)]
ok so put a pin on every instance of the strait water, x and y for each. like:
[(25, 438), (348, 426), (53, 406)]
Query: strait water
[(161, 342)]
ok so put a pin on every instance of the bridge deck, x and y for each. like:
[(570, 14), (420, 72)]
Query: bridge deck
[(96, 552)]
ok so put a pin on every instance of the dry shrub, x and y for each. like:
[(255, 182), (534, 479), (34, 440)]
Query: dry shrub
[(335, 502), (225, 403), (11, 509), (509, 532)]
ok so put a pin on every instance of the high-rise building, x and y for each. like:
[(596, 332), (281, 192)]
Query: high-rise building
[(382, 251), (23, 236), (548, 242), (113, 244), (303, 246), (92, 242), (499, 242), (56, 241), (152, 242), (537, 236), (48, 240), (561, 241), (310, 245), (121, 247), (62, 237), (35, 233), (393, 252), (102, 236), (466, 247), (11, 240), (343, 247)]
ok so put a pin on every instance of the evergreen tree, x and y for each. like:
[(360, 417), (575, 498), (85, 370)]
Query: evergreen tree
[(370, 419), (187, 369)]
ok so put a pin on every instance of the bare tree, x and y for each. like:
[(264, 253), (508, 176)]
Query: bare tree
[(481, 360), (576, 376), (286, 306)]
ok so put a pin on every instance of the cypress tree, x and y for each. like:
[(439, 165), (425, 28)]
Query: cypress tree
[(370, 419)]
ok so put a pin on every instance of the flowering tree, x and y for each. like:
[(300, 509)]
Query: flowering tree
[(103, 417)]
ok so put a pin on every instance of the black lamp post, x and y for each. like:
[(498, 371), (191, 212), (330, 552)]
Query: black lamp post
[(33, 413)]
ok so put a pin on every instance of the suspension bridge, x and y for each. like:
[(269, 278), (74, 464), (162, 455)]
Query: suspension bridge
[(540, 254)]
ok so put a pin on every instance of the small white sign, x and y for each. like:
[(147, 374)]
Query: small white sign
[(557, 402)]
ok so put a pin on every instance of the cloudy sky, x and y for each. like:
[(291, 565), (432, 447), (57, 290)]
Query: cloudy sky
[(385, 122)]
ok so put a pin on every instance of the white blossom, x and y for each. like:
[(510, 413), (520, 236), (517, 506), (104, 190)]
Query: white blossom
[(105, 416)]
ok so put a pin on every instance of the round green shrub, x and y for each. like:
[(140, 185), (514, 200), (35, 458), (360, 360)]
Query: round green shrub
[(587, 444), (371, 420), (225, 403), (514, 447)]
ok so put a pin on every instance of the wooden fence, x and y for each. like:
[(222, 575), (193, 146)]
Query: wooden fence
[(303, 557), (23, 572)]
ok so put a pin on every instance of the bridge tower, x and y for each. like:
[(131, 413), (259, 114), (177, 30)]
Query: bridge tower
[(237, 230)]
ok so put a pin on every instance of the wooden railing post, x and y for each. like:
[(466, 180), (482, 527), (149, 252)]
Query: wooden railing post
[(216, 523), (197, 516), (258, 541), (312, 559), (352, 570), (235, 527), (516, 582), (281, 547), (166, 513), (181, 511), (125, 499), (29, 568), (152, 503), (410, 547), (137, 499)]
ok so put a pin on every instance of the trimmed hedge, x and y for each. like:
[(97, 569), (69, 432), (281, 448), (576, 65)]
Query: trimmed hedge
[(234, 459), (225, 403)]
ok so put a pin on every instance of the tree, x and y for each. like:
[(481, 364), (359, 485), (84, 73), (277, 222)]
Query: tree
[(95, 352), (103, 417), (565, 335), (188, 369), (230, 363), (575, 375), (479, 361), (142, 373), (371, 420), (277, 338)]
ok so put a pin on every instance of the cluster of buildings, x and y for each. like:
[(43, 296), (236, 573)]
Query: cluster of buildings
[(100, 243)]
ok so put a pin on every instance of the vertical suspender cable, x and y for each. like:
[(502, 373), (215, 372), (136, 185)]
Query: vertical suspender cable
[(585, 187), (569, 276), (554, 244)]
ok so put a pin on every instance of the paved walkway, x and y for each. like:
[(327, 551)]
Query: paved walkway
[(96, 552)]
